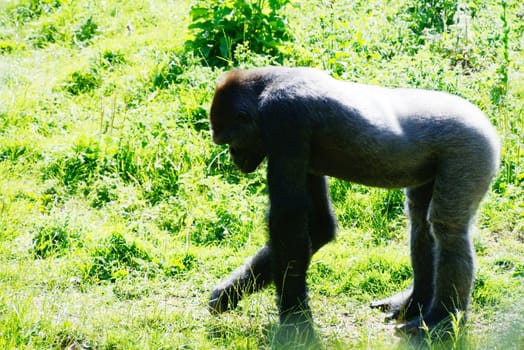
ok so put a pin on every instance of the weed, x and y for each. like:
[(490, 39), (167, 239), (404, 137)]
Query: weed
[(7, 47), (220, 26), (116, 258), (30, 9), (152, 168), (82, 164), (111, 59), (102, 191), (168, 72), (219, 163), (216, 228), (84, 34), (486, 291), (54, 239), (15, 150), (434, 15), (180, 263), (80, 82), (48, 34)]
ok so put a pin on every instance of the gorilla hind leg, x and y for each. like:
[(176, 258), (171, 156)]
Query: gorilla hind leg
[(411, 302), (453, 205)]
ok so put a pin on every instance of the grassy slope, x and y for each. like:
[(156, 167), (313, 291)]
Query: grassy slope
[(117, 215)]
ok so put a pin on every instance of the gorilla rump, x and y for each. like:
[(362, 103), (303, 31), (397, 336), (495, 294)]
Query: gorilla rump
[(437, 146)]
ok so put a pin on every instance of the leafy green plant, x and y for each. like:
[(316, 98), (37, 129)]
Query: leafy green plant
[(180, 263), (109, 60), (220, 26), (116, 257), (83, 35), (215, 228), (486, 291), (168, 72), (16, 150), (82, 164), (80, 82), (68, 338), (7, 47), (29, 9), (433, 15), (47, 34), (143, 159), (104, 190), (53, 239)]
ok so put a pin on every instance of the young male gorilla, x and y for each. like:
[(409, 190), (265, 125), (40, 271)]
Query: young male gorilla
[(308, 125)]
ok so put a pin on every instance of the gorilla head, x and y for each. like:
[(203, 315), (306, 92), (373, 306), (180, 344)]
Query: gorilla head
[(234, 121)]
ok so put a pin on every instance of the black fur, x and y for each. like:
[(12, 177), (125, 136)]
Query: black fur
[(308, 125)]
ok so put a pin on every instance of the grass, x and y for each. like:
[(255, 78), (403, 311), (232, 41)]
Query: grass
[(118, 214)]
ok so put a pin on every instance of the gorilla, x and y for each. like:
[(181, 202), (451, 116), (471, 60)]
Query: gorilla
[(440, 148)]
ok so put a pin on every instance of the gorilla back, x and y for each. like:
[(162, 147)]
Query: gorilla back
[(437, 146)]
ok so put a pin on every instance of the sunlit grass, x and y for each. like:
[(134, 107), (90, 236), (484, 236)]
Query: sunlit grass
[(118, 215)]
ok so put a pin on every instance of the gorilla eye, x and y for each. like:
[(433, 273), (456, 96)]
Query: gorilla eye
[(243, 117)]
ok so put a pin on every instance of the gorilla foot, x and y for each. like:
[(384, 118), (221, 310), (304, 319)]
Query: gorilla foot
[(401, 306), (296, 333), (437, 324)]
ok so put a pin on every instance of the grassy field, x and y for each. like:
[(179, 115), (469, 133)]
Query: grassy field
[(118, 214)]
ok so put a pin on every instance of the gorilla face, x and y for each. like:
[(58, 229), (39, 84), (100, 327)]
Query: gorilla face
[(233, 123)]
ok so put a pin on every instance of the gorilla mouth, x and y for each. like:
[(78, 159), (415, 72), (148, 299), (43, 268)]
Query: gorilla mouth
[(233, 151), (245, 161)]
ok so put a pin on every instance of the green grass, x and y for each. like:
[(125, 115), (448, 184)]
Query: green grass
[(118, 214)]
